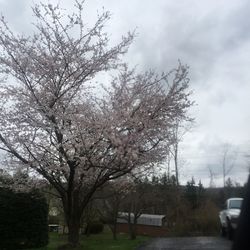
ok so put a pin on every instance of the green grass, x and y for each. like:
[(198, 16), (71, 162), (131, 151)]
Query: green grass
[(103, 241)]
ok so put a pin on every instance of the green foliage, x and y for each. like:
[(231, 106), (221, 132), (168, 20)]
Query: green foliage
[(191, 193), (23, 220)]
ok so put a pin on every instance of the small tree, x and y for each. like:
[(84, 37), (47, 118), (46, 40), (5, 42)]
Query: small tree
[(114, 195), (136, 202), (54, 124)]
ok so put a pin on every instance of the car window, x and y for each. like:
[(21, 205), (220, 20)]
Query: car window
[(235, 204)]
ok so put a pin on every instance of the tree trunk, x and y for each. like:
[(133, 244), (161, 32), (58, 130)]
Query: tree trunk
[(115, 223), (114, 231), (87, 231), (132, 231), (132, 228), (129, 225), (73, 217), (176, 163), (74, 230)]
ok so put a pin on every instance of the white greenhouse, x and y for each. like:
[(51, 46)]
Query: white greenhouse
[(144, 219)]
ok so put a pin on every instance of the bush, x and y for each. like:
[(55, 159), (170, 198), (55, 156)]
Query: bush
[(207, 218), (95, 227), (201, 221), (23, 220)]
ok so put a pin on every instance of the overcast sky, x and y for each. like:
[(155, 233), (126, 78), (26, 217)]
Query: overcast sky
[(213, 38)]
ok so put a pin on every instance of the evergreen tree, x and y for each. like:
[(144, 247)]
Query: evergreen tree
[(191, 193)]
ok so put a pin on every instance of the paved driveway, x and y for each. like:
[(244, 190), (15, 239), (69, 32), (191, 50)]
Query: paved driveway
[(187, 243)]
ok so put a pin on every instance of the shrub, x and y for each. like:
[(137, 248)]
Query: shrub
[(95, 227), (23, 220), (207, 218), (200, 221)]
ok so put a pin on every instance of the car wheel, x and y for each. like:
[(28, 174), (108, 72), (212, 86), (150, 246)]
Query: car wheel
[(230, 230), (223, 232)]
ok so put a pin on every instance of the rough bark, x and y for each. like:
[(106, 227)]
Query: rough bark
[(73, 217), (74, 229), (132, 227), (114, 230)]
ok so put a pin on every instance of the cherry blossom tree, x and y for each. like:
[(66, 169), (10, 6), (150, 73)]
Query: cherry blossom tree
[(56, 122)]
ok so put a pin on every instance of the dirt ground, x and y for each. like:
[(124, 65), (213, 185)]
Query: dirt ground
[(188, 243)]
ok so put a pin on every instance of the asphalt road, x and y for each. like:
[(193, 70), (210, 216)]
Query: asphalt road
[(187, 243)]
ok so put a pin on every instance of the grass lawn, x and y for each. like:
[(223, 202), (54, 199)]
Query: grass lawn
[(103, 241)]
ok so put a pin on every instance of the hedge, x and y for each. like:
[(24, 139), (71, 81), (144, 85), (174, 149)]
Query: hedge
[(23, 220)]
